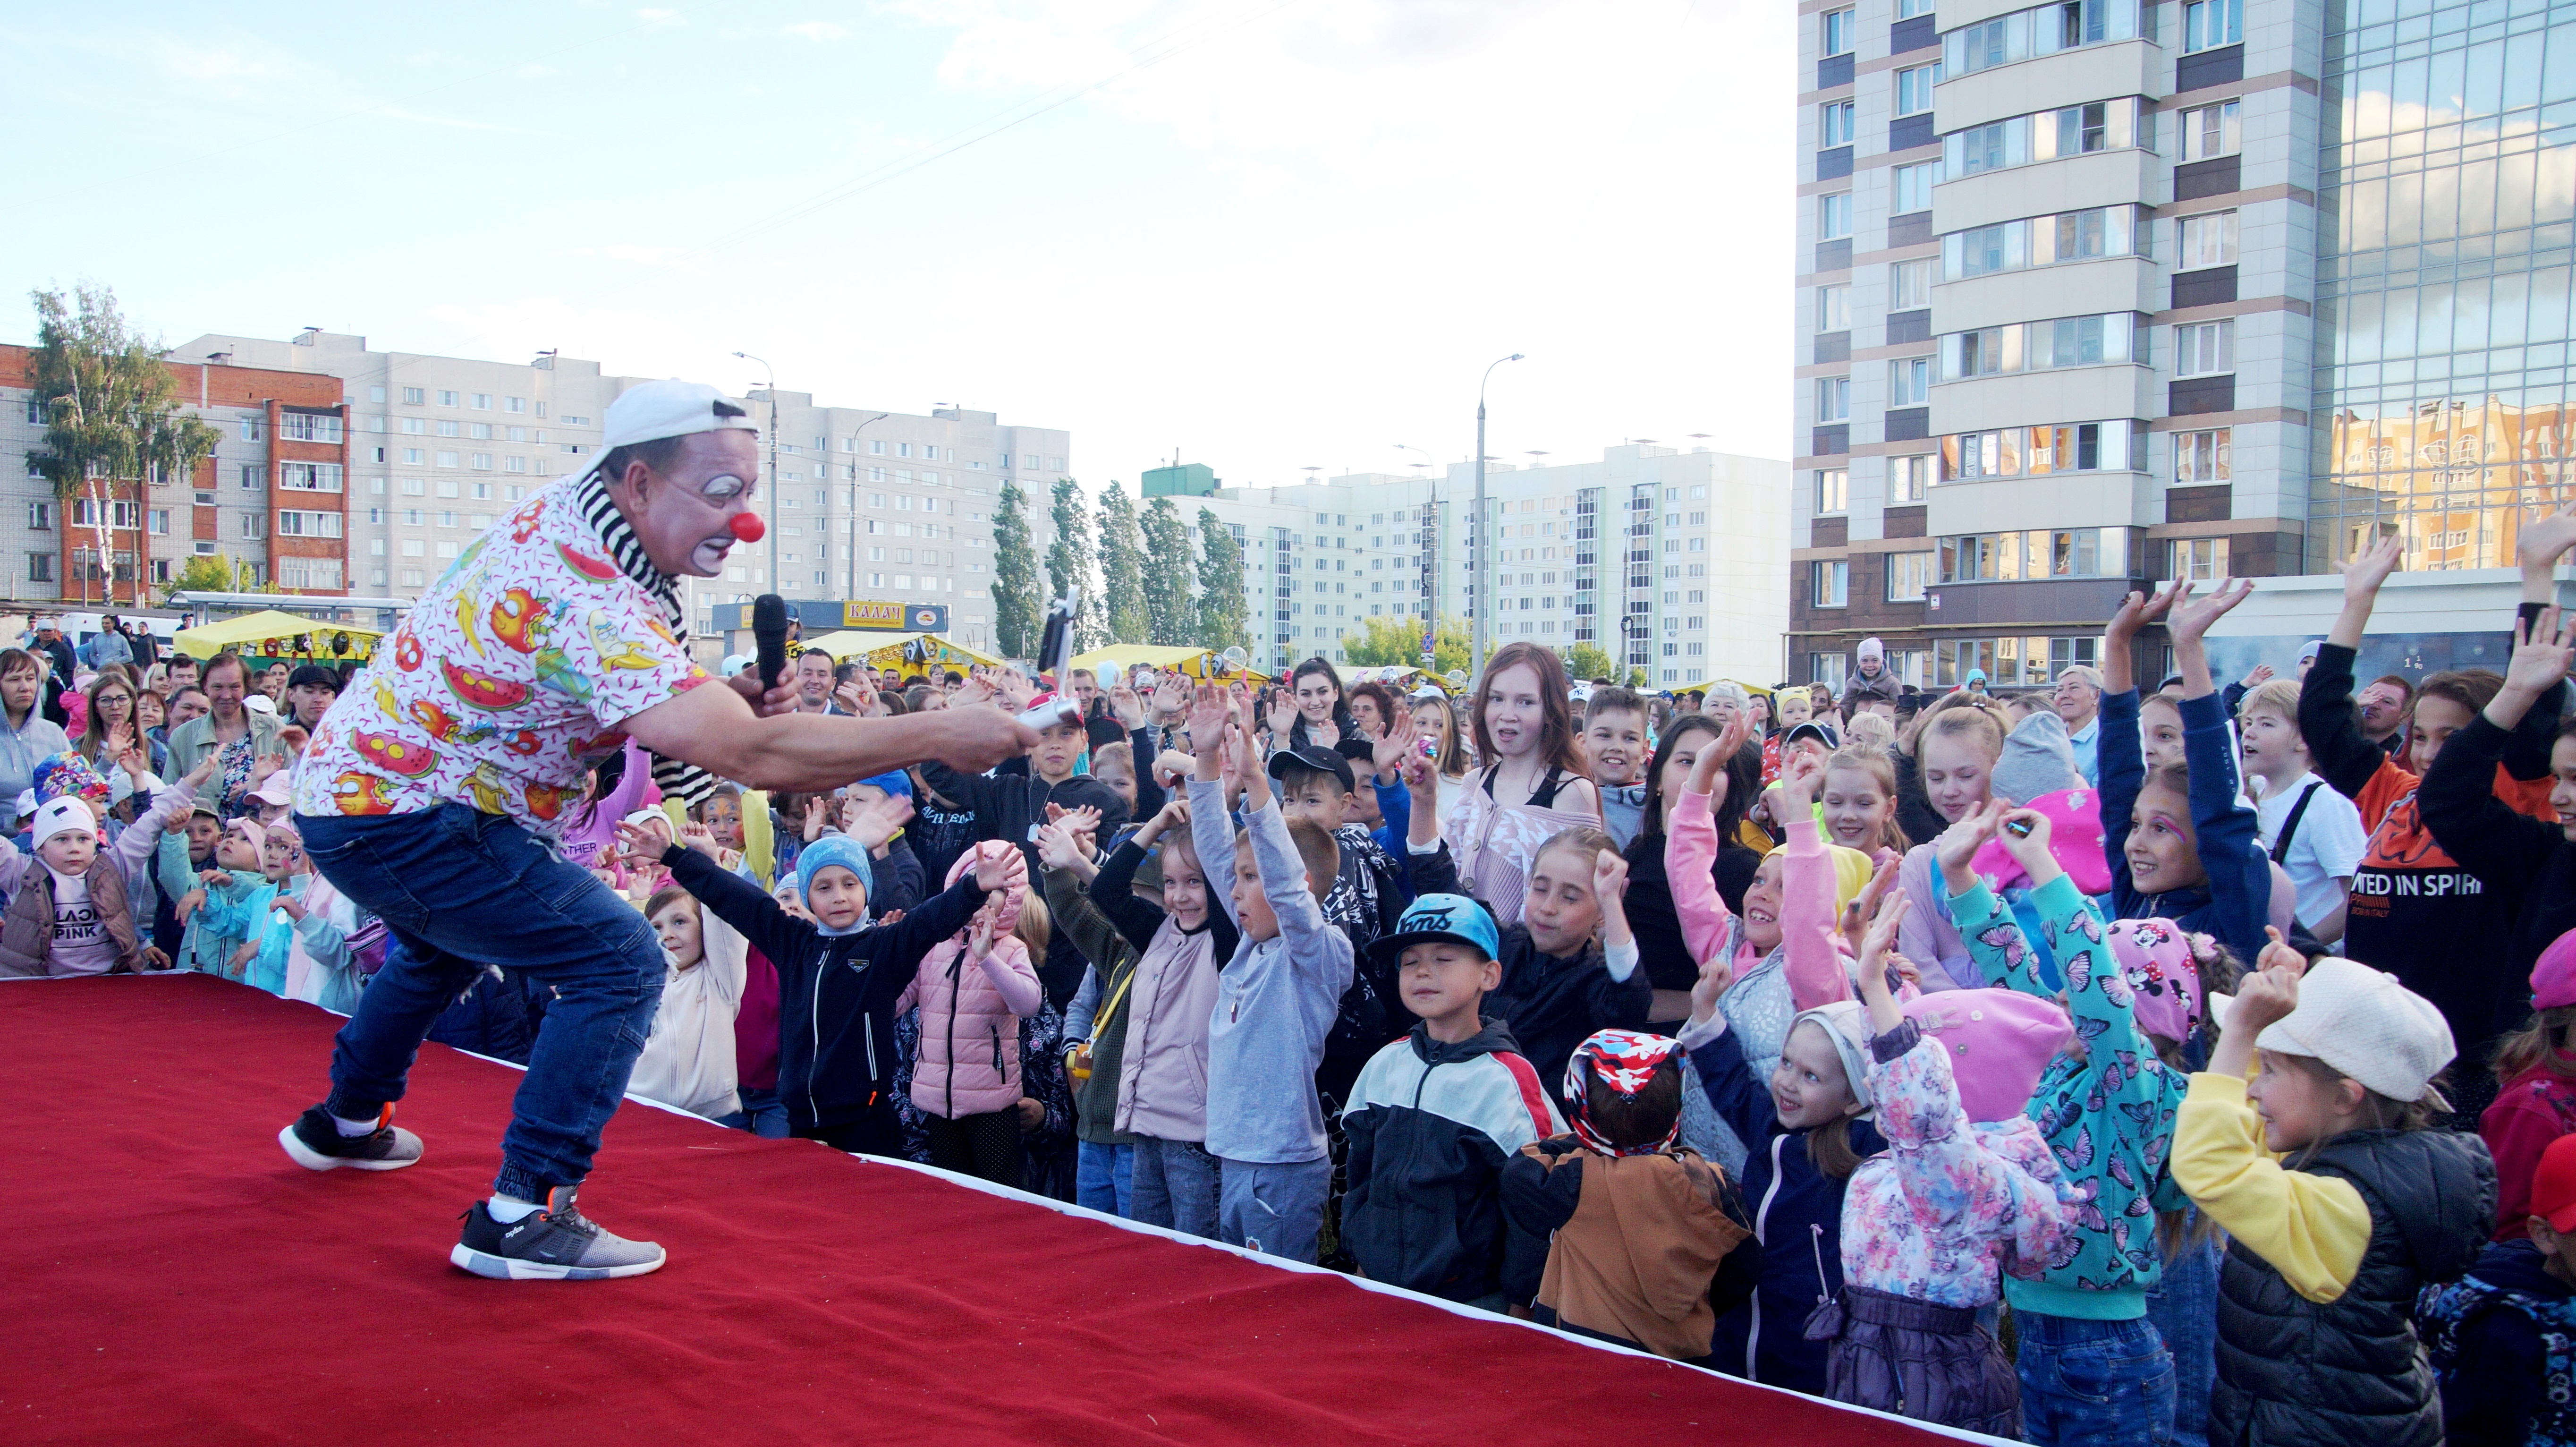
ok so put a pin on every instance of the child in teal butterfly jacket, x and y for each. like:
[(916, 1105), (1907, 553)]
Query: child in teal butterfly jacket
[(2106, 1107)]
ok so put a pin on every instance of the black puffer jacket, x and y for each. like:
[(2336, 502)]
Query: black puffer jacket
[(2350, 1372)]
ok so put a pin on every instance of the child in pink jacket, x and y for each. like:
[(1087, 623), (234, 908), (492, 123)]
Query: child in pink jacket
[(972, 989)]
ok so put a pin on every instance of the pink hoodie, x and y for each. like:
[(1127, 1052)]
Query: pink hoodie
[(1816, 964)]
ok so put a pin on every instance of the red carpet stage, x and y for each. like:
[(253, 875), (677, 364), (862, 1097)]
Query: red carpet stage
[(168, 1276)]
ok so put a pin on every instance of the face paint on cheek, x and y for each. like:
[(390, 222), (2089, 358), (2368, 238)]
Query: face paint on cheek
[(708, 558)]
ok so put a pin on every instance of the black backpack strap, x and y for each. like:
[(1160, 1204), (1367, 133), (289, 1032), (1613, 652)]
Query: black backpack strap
[(2290, 826)]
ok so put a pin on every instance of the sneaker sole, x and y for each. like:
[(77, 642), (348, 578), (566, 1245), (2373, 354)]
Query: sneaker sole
[(510, 1268), (313, 1160)]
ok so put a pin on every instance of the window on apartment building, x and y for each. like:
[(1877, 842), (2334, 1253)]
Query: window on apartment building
[(414, 396), (2202, 241), (514, 404), (1833, 492), (1914, 88), (1912, 187), (2209, 24), (2201, 457), (449, 399), (2044, 31), (1834, 216), (1909, 479), (1909, 382), (2041, 241), (250, 429), (1908, 576), (299, 524), (1829, 583), (1833, 308), (40, 567), (1833, 399), (482, 402), (254, 527), (1837, 31), (2037, 451), (1834, 124), (2041, 553), (2199, 560), (2210, 131), (2038, 346), (450, 428), (40, 517), (254, 477), (309, 427), (309, 476), (447, 459), (2205, 349), (1909, 285)]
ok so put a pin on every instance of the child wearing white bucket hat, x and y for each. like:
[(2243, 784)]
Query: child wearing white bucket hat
[(2329, 1247)]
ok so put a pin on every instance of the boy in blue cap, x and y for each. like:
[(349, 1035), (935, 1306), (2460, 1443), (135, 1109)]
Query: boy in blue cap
[(1434, 1116)]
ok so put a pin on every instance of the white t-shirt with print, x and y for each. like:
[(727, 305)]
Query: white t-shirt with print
[(81, 945)]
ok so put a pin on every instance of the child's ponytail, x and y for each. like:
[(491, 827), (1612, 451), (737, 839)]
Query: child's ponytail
[(2546, 1040)]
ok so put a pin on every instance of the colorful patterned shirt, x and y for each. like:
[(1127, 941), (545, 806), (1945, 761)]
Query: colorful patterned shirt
[(2106, 1111), (512, 676)]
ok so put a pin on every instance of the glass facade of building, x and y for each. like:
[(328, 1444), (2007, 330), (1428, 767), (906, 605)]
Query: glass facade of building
[(2447, 209)]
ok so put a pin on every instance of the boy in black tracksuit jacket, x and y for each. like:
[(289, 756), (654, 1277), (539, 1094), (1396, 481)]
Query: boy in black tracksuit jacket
[(1432, 1121), (836, 995)]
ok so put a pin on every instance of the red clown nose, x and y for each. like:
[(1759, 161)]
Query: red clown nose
[(748, 527)]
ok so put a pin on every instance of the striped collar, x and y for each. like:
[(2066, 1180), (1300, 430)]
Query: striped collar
[(597, 508)]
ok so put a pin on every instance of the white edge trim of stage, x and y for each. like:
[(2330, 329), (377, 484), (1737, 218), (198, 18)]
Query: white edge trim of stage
[(1276, 1263)]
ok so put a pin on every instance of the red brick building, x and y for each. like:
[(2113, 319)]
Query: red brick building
[(273, 497)]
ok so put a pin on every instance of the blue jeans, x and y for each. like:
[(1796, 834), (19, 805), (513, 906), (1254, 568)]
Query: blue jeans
[(1273, 1206), (2091, 1383), (1176, 1186), (765, 1114), (461, 890), (1104, 1177), (2184, 1308)]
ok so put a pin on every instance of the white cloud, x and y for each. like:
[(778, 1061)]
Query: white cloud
[(661, 19), (818, 30)]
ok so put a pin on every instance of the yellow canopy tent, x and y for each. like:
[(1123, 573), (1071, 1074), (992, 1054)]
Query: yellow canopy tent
[(1754, 689), (894, 650), (1192, 661), (253, 632)]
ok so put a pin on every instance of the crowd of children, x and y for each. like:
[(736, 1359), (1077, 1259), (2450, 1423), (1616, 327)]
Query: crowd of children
[(2103, 1067)]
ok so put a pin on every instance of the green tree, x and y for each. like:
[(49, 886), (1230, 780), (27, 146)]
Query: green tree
[(1636, 678), (1170, 564), (1221, 623), (1016, 611), (1397, 642), (205, 575), (1069, 565), (111, 408), (1587, 660), (1122, 566)]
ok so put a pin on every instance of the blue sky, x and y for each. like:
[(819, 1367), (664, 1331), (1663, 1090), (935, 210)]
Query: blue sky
[(1270, 234)]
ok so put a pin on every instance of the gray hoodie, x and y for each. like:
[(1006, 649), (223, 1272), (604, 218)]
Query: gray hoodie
[(1276, 1000)]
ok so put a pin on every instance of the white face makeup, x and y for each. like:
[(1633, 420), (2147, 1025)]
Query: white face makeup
[(719, 492)]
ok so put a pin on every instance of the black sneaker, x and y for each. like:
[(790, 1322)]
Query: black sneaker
[(555, 1244), (315, 1143)]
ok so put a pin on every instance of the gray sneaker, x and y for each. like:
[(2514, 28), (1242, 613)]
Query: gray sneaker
[(554, 1244), (315, 1143)]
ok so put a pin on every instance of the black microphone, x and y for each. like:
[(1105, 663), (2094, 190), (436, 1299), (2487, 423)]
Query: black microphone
[(769, 626)]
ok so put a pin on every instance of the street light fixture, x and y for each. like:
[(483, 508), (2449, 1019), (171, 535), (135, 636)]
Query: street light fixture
[(774, 581), (1480, 551), (850, 575)]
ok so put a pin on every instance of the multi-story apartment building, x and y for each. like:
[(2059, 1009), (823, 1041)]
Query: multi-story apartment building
[(271, 497), (1672, 560), (867, 504), (2112, 291)]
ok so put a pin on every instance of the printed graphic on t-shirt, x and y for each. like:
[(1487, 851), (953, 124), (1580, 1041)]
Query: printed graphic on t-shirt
[(2405, 862), (78, 926)]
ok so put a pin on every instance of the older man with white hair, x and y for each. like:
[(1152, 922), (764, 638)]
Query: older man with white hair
[(432, 791)]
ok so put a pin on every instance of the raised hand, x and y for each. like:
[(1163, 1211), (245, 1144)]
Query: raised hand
[(645, 842), (878, 821), (2543, 540), (979, 935), (1171, 699), (999, 869), (1210, 712), (978, 689), (2136, 611), (815, 805), (2189, 617), (1171, 766), (1716, 977), (1960, 842), (2271, 990), (1609, 879), (2369, 568), (1129, 708), (1800, 778), (1403, 736), (1322, 735), (2261, 674), (205, 769), (2543, 651), (1056, 849), (1175, 814), (2025, 835), (1864, 905), (1283, 715), (699, 837)]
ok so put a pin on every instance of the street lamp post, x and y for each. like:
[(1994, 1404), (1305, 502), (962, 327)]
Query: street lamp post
[(850, 575), (1425, 540), (774, 584), (1480, 551)]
